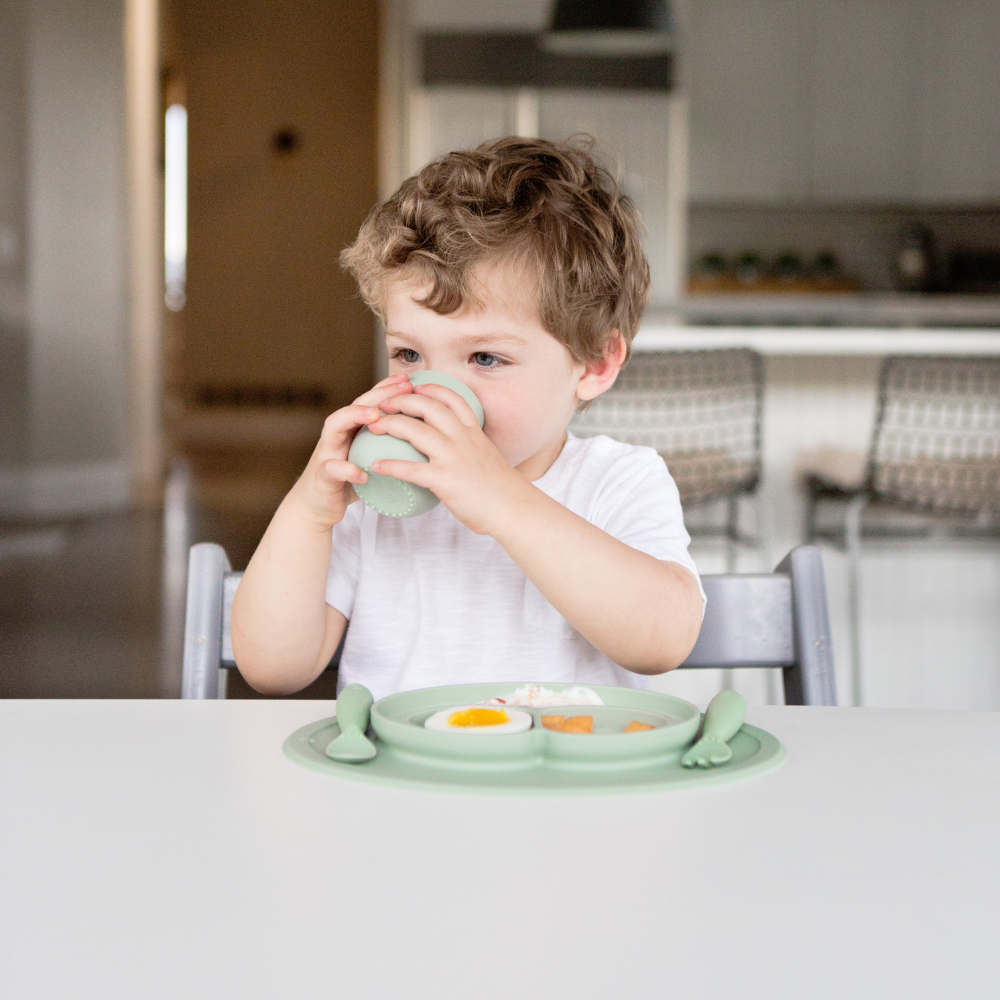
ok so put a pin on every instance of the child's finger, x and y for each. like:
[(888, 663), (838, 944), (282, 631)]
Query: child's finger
[(395, 385), (450, 399), (334, 473), (421, 435), (392, 379), (436, 414), (345, 420), (418, 473)]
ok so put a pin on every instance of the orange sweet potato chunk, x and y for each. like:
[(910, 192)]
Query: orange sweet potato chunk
[(637, 727), (579, 724), (554, 722)]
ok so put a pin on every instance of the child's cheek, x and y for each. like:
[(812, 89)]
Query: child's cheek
[(501, 429)]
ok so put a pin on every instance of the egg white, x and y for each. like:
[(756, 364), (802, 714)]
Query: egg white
[(517, 722)]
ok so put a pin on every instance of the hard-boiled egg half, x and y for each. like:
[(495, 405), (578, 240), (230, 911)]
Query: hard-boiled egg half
[(479, 719)]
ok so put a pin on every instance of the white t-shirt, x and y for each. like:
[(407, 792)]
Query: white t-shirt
[(430, 602)]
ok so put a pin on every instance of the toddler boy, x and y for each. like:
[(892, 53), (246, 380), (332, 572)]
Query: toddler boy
[(517, 268)]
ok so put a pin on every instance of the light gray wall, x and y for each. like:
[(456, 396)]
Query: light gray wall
[(13, 334), (76, 263), (62, 195)]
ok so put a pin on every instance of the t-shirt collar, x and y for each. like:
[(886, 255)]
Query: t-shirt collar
[(554, 473)]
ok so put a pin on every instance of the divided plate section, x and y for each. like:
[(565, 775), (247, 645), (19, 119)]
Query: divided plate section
[(398, 721)]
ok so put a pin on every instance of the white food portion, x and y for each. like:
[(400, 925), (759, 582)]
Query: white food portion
[(533, 696), (517, 722)]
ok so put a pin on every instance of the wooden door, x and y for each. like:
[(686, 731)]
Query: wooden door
[(281, 104)]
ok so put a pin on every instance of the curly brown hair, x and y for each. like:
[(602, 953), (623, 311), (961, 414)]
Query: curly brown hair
[(544, 206)]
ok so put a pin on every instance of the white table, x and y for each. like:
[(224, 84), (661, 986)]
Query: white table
[(168, 850)]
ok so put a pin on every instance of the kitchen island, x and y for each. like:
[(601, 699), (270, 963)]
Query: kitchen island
[(929, 615)]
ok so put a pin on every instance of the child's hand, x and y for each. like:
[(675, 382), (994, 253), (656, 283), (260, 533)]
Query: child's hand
[(466, 470), (324, 489)]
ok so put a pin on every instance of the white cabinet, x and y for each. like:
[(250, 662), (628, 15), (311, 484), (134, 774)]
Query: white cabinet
[(844, 100), (743, 63), (865, 93), (959, 136), (447, 118)]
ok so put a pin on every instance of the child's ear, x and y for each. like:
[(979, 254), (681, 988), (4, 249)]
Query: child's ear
[(600, 375)]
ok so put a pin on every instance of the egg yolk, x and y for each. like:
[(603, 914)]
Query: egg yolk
[(478, 717)]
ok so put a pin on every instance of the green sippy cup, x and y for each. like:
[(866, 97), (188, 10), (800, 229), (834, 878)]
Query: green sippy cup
[(386, 494)]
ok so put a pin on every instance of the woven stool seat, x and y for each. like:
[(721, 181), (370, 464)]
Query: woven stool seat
[(937, 440), (699, 409)]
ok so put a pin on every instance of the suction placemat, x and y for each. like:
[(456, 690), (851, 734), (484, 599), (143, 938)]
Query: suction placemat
[(554, 764)]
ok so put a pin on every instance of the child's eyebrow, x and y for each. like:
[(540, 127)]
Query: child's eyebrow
[(470, 340), (493, 338)]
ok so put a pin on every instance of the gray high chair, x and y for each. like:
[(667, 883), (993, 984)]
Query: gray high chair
[(774, 619)]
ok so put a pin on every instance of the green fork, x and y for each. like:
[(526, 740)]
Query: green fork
[(723, 718)]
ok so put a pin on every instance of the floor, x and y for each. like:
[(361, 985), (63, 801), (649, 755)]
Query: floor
[(80, 608), (84, 612)]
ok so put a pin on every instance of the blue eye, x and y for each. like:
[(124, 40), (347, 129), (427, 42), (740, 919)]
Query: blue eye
[(407, 355), (485, 360)]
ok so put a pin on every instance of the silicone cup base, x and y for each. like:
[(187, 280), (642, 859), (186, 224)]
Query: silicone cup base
[(394, 498)]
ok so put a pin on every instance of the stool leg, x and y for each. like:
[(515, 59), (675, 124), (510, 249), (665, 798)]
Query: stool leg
[(765, 547), (732, 532), (810, 526), (852, 537)]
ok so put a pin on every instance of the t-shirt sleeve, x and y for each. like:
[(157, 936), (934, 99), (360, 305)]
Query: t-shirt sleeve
[(643, 510), (345, 561)]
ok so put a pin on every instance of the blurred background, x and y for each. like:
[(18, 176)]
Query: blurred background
[(177, 179)]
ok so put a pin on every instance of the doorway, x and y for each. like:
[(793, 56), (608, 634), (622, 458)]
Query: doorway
[(269, 335)]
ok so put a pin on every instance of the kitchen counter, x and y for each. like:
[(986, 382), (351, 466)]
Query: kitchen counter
[(866, 324), (659, 334)]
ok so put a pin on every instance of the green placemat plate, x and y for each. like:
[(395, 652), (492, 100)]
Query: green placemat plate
[(396, 765)]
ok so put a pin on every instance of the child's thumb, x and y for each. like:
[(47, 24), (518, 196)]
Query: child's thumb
[(335, 472)]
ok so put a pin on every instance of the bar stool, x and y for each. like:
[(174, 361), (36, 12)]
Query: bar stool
[(933, 467), (701, 410)]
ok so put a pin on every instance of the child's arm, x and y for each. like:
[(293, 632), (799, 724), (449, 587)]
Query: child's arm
[(284, 632), (642, 613)]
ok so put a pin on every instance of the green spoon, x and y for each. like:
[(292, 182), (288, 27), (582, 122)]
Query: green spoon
[(723, 718), (354, 705)]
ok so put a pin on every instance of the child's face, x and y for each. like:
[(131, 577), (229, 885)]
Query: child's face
[(528, 383)]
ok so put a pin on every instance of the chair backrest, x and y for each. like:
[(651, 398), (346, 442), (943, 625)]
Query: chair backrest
[(777, 619), (701, 410), (208, 646), (751, 620), (937, 434)]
